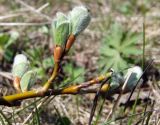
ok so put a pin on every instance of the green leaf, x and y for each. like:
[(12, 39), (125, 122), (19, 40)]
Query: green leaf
[(115, 36), (3, 39), (126, 7), (74, 73), (106, 51), (60, 18), (48, 62), (35, 55), (8, 54), (132, 51), (6, 41), (118, 48), (40, 72), (60, 29), (120, 63), (61, 34), (20, 69), (13, 37), (28, 80), (116, 62), (80, 18), (131, 39), (44, 29)]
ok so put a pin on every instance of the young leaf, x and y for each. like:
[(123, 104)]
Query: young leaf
[(135, 73), (27, 80), (80, 18), (20, 65), (61, 34), (13, 37), (60, 29), (3, 40), (20, 69)]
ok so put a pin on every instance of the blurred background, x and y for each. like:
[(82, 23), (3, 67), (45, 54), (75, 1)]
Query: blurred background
[(113, 39)]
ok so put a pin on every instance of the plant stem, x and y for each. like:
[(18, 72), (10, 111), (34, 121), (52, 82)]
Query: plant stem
[(11, 100), (53, 76), (20, 96)]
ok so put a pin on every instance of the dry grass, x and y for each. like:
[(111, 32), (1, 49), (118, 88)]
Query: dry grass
[(27, 17)]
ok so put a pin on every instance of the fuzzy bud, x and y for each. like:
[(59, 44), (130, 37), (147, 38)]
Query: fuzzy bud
[(20, 65), (134, 75), (79, 18)]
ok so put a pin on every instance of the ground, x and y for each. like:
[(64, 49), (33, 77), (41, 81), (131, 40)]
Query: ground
[(30, 19)]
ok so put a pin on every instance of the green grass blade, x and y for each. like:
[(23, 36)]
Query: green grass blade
[(144, 43), (134, 108), (37, 115), (26, 107)]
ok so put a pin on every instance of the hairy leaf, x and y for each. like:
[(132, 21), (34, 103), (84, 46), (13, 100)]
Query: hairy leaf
[(27, 81)]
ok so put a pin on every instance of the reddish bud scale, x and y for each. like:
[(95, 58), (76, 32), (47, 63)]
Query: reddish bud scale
[(16, 83), (70, 41), (58, 50)]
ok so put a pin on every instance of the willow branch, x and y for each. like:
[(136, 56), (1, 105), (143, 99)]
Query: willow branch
[(15, 99)]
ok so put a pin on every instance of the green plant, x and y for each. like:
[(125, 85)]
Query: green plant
[(128, 8), (6, 42), (118, 48), (39, 63), (75, 74), (64, 30)]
